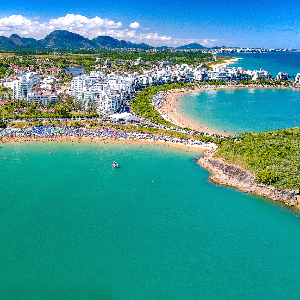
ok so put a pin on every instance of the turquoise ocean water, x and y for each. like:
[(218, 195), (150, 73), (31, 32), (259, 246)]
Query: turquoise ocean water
[(74, 228), (236, 111), (274, 62), (241, 110)]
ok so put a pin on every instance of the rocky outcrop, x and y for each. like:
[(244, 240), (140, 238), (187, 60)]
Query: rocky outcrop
[(228, 174)]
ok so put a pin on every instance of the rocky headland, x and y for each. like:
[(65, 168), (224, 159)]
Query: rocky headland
[(224, 173)]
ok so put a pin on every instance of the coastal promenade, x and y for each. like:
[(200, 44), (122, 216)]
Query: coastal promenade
[(42, 133)]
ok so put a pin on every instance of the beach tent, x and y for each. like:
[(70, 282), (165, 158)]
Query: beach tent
[(125, 116)]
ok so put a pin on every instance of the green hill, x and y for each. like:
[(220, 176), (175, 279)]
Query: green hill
[(273, 156)]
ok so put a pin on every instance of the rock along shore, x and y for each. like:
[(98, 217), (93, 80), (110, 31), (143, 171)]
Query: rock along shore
[(224, 173)]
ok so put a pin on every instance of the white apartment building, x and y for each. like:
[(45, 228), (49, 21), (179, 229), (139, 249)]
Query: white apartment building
[(96, 76), (282, 76), (261, 74), (46, 86), (107, 101), (201, 75), (21, 88), (44, 98), (107, 91), (49, 79), (33, 77), (23, 85), (80, 82)]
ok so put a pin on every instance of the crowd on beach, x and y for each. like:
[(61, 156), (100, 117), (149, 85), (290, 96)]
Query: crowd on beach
[(70, 133)]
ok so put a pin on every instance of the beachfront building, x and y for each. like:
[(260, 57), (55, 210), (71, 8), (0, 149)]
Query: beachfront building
[(230, 74), (224, 74), (201, 75), (23, 85), (107, 91), (107, 101), (43, 98), (261, 74), (282, 76), (297, 78)]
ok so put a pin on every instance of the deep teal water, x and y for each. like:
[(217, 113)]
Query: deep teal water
[(241, 110), (274, 62), (74, 228)]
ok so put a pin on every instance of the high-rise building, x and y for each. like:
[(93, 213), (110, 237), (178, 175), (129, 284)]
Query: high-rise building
[(22, 87)]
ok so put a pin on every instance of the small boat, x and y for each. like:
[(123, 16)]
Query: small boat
[(115, 165), (298, 101)]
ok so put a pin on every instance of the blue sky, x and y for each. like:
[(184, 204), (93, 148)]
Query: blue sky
[(271, 24)]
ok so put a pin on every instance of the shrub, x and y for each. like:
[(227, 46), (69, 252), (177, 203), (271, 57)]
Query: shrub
[(266, 177), (94, 124), (77, 124), (3, 124), (38, 123)]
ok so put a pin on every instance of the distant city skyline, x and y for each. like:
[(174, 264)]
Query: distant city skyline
[(266, 24)]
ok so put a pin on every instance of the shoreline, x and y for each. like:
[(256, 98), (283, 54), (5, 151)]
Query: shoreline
[(225, 63), (224, 173), (157, 142), (173, 98)]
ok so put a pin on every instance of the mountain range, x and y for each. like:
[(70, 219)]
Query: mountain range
[(66, 40)]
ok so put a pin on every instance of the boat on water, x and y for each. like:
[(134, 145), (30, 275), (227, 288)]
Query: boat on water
[(115, 165)]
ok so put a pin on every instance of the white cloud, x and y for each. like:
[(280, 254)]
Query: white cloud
[(90, 28), (74, 23), (135, 25), (20, 25)]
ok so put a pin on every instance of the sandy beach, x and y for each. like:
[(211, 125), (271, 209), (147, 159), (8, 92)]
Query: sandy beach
[(227, 62), (169, 107), (58, 139), (173, 98)]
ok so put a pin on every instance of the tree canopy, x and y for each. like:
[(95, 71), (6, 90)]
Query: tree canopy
[(273, 156)]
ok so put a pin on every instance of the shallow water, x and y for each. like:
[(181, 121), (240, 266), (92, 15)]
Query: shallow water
[(74, 228), (241, 110)]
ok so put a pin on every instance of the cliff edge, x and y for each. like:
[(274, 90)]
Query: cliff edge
[(224, 173)]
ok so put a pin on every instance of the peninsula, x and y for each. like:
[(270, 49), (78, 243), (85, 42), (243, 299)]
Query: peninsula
[(133, 96)]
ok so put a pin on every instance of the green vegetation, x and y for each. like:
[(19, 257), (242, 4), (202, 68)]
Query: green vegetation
[(77, 124), (273, 156), (142, 106), (2, 124), (38, 123), (120, 61), (94, 124)]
